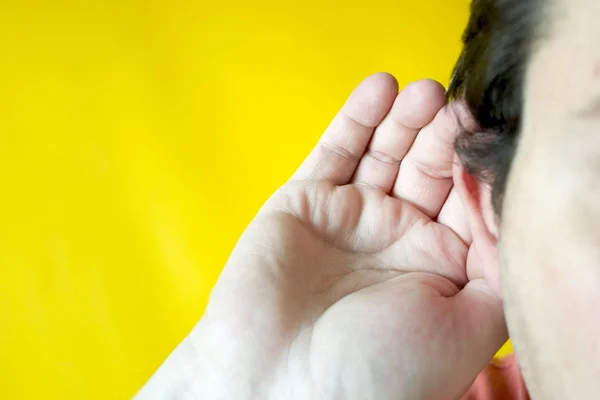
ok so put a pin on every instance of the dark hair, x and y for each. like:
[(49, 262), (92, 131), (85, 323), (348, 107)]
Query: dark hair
[(489, 76)]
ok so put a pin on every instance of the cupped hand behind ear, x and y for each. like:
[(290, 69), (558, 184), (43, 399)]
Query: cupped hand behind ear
[(351, 281)]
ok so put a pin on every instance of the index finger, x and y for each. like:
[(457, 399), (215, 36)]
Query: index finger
[(343, 144)]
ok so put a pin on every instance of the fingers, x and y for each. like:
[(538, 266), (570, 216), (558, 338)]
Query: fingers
[(454, 216), (415, 106), (425, 176), (341, 147)]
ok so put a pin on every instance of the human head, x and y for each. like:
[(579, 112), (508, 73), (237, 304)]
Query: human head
[(530, 75)]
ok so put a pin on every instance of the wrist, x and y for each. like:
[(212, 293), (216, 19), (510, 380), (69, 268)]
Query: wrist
[(194, 371), (179, 375)]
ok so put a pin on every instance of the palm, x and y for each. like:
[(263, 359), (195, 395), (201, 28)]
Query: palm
[(355, 251), (389, 234)]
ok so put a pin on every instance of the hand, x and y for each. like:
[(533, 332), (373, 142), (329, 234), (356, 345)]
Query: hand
[(351, 282)]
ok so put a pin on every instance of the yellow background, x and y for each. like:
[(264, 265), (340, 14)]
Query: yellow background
[(139, 137)]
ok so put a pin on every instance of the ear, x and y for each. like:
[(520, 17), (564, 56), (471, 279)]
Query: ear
[(476, 198)]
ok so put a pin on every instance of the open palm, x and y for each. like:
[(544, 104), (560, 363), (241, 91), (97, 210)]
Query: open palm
[(352, 281)]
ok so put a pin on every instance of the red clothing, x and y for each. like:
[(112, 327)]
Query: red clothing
[(501, 380)]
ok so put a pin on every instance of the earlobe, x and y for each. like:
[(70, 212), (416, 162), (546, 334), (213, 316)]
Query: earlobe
[(476, 198)]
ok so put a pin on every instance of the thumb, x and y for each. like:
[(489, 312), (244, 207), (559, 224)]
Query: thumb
[(481, 327)]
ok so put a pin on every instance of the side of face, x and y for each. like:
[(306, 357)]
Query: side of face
[(549, 247), (550, 233)]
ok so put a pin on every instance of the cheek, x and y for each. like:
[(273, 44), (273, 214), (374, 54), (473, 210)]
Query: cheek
[(551, 264)]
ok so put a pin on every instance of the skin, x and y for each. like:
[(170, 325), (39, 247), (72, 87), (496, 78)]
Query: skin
[(550, 249), (360, 277)]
